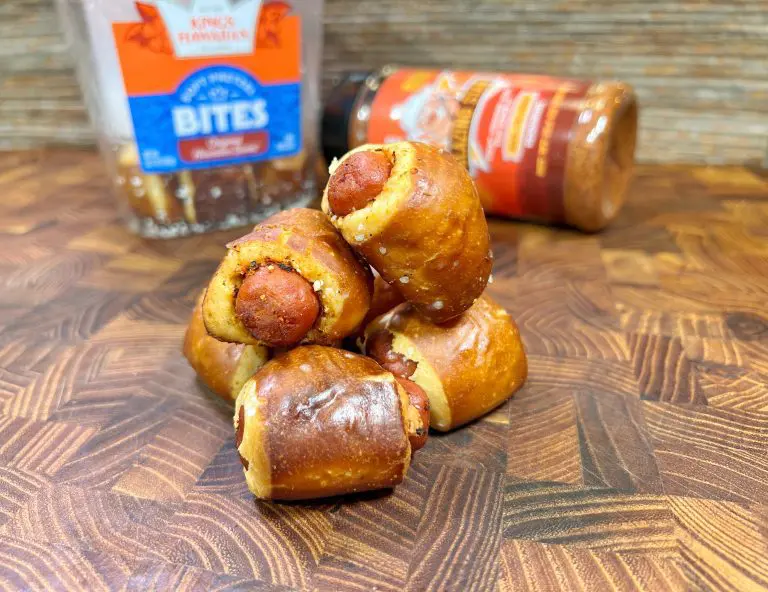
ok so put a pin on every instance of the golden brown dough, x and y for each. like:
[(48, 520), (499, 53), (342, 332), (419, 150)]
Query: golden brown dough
[(467, 366), (149, 196), (425, 233), (223, 367), (385, 298), (195, 196), (303, 242), (318, 421)]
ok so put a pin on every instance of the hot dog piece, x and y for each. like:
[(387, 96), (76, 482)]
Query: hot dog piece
[(318, 421), (223, 367), (466, 366), (357, 181), (277, 306), (379, 346), (425, 231), (292, 280), (419, 402)]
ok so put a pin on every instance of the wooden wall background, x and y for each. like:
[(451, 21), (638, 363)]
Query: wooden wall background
[(700, 66)]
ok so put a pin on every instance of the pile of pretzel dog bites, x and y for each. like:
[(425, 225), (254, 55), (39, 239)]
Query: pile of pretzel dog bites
[(393, 267)]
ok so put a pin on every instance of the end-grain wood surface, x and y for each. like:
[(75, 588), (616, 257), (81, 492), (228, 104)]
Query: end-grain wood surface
[(635, 458)]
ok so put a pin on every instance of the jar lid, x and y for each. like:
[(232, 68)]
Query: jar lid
[(338, 111)]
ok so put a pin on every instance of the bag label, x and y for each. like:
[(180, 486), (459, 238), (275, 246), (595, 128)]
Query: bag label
[(212, 83), (511, 131)]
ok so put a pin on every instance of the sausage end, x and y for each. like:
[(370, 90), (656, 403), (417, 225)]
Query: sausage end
[(357, 181), (277, 305)]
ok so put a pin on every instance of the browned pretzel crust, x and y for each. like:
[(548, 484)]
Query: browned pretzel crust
[(425, 233)]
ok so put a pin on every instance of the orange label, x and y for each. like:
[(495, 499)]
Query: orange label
[(212, 83), (511, 131)]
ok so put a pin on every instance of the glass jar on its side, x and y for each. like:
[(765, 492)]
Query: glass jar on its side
[(205, 112), (552, 150)]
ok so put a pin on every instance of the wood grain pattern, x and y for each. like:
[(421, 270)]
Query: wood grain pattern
[(460, 532), (114, 524), (663, 371), (273, 543), (722, 544), (616, 450), (601, 519), (712, 453), (31, 565), (158, 575), (543, 440), (536, 566), (376, 534), (635, 458), (734, 388)]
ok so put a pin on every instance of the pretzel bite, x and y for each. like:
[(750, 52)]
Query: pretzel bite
[(467, 366), (283, 178), (292, 280), (212, 195), (412, 211), (318, 421), (149, 196), (223, 367)]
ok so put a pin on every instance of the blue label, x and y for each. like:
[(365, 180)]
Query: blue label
[(218, 116)]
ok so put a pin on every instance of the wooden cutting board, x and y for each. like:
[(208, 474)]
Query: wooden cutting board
[(636, 457)]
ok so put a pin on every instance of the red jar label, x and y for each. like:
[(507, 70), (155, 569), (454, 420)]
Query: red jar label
[(511, 131)]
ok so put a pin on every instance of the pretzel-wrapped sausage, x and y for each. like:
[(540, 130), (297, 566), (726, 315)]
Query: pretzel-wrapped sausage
[(223, 367), (148, 196), (413, 212), (318, 421), (195, 196), (292, 280), (467, 366)]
